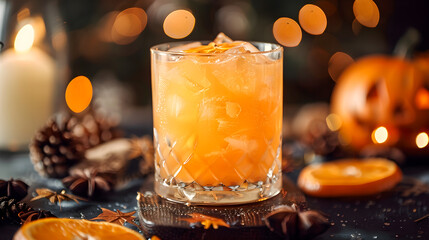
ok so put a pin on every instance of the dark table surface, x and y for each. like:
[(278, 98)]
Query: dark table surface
[(389, 215)]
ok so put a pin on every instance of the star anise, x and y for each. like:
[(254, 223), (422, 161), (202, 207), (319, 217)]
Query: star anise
[(117, 217), (205, 220), (16, 189), (33, 215), (291, 223), (55, 197), (88, 183)]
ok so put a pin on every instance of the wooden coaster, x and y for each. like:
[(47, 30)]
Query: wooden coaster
[(170, 220)]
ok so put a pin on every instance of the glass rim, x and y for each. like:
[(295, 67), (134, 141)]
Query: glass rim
[(155, 49)]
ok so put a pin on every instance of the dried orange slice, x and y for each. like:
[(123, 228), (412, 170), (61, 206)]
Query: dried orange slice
[(64, 228), (349, 177)]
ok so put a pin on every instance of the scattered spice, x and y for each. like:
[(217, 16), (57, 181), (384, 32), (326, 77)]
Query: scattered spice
[(33, 215), (422, 218), (16, 189), (88, 183), (117, 217), (206, 221), (413, 187), (55, 197), (289, 222), (9, 210)]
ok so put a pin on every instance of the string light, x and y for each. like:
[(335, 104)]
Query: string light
[(287, 32), (179, 24), (127, 25), (338, 63), (312, 19), (380, 135), (422, 140), (366, 12)]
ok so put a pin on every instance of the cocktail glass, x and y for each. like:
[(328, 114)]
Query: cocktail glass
[(217, 124)]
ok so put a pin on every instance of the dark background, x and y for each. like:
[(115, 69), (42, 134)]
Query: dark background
[(305, 71)]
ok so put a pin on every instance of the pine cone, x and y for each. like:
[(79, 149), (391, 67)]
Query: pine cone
[(94, 129), (9, 210), (143, 148), (55, 149)]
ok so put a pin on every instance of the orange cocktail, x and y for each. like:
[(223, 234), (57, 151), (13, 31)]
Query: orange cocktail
[(217, 122)]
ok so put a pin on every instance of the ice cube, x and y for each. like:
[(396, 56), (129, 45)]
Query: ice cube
[(175, 105), (210, 108), (185, 47), (222, 38), (242, 47), (233, 109), (242, 142)]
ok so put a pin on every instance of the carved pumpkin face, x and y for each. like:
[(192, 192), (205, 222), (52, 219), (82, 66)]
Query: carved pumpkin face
[(381, 91)]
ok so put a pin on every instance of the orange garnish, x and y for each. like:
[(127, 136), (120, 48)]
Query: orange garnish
[(64, 228), (214, 48), (349, 177)]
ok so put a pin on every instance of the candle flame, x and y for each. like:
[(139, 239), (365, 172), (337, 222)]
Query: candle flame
[(422, 140), (380, 135), (25, 38)]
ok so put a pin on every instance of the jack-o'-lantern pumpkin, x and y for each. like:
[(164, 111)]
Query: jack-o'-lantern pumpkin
[(384, 100)]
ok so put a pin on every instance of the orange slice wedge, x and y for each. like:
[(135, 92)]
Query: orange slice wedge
[(349, 177), (64, 228)]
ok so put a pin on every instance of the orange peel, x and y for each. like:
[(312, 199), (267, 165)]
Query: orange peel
[(64, 228), (349, 177)]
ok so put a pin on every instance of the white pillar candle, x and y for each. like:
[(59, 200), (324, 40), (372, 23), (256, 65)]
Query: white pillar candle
[(26, 93)]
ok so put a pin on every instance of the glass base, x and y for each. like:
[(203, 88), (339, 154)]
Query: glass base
[(193, 193)]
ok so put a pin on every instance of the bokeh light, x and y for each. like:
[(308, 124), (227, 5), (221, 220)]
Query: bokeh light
[(130, 22), (287, 32), (422, 99), (79, 94), (356, 27), (312, 19), (127, 25), (422, 140), (24, 38), (334, 122), (179, 24), (232, 20), (338, 63), (366, 12), (105, 26), (380, 135)]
